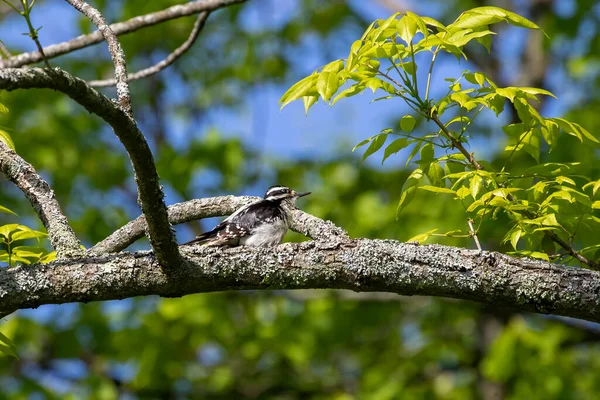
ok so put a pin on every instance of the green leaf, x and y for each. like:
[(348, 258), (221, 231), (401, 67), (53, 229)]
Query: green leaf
[(436, 189), (6, 210), (7, 346), (362, 143), (6, 230), (308, 102), (305, 87), (327, 84), (352, 59), (427, 153), (407, 123), (7, 140), (50, 257), (544, 220), (349, 92), (409, 189), (3, 109), (394, 147), (422, 237), (475, 185), (515, 236), (463, 192), (595, 185), (25, 234), (407, 28), (482, 16), (376, 144), (414, 151), (435, 173), (334, 66), (476, 78), (531, 254), (421, 24)]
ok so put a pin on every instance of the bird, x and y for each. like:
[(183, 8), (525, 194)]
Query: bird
[(263, 223)]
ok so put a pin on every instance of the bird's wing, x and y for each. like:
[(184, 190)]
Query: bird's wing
[(237, 225)]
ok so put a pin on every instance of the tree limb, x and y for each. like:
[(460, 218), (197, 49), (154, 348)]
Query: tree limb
[(171, 58), (115, 50), (361, 265), (151, 195), (301, 222), (119, 28), (42, 199)]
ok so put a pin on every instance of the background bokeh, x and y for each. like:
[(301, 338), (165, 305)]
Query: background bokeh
[(214, 125)]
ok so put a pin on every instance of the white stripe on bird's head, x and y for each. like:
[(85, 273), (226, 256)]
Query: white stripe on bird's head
[(278, 192)]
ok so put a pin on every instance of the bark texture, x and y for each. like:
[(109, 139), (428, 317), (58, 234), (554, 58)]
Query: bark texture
[(146, 177), (42, 199), (361, 265)]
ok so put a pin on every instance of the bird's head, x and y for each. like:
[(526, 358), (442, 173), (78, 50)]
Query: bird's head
[(279, 193)]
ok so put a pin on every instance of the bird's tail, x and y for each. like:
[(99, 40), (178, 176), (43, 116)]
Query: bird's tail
[(201, 238)]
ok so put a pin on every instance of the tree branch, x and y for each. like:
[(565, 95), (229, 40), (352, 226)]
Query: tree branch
[(171, 58), (301, 222), (115, 50), (360, 265), (119, 28), (151, 195), (41, 197)]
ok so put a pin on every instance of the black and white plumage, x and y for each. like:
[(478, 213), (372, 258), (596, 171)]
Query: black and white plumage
[(263, 223)]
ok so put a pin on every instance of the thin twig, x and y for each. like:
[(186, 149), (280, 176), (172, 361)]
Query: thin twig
[(33, 33), (116, 52), (171, 58), (473, 234), (119, 28), (455, 142), (4, 50), (41, 197)]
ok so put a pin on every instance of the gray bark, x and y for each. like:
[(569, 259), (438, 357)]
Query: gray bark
[(42, 199), (146, 177), (361, 265)]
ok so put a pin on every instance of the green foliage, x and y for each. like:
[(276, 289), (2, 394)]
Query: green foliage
[(12, 254), (547, 200)]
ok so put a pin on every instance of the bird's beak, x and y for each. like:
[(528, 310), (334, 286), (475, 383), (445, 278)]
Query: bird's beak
[(302, 194)]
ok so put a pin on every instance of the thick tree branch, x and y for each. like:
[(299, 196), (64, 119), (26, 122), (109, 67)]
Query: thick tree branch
[(151, 196), (301, 222), (360, 265), (40, 195), (119, 28), (171, 58), (115, 50)]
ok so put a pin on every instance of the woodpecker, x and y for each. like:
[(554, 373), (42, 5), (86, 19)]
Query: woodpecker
[(262, 223)]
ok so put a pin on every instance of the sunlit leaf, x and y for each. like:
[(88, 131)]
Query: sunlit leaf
[(376, 144), (327, 84), (305, 87), (436, 189), (422, 237), (6, 139), (407, 123), (394, 147)]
